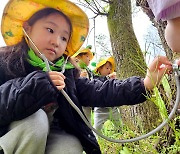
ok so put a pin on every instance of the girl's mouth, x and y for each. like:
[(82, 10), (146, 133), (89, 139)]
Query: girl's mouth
[(52, 51)]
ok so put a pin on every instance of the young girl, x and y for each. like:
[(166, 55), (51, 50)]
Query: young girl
[(57, 28), (168, 10), (105, 70), (83, 58)]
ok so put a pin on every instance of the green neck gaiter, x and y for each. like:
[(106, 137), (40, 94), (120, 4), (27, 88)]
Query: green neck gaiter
[(35, 61), (82, 65)]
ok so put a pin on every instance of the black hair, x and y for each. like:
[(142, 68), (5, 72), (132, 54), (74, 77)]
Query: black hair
[(44, 13), (82, 54), (13, 58)]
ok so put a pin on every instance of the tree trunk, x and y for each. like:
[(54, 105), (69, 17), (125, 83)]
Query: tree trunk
[(129, 62)]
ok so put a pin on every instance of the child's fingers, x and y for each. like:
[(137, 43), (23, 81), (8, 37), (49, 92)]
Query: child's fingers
[(161, 60), (157, 69), (84, 74), (164, 60), (56, 77), (163, 71), (178, 62), (60, 87), (58, 82), (159, 63), (57, 73)]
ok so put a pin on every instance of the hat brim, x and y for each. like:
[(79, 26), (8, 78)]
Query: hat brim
[(85, 50), (101, 63), (17, 12)]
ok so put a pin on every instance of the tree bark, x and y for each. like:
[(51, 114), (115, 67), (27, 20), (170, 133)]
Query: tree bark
[(129, 62)]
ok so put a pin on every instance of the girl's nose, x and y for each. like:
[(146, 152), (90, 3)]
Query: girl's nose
[(55, 41)]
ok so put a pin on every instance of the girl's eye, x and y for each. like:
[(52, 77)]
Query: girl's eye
[(64, 39), (50, 30)]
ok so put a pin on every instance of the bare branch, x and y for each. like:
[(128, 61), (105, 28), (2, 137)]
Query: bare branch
[(89, 34), (94, 35), (106, 1), (95, 9), (92, 7), (94, 16), (99, 5), (88, 7), (94, 1)]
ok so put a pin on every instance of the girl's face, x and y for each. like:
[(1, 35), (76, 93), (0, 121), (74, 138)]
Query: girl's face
[(105, 69), (86, 59), (50, 34), (172, 34)]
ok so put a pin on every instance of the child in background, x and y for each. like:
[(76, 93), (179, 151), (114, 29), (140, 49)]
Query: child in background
[(104, 71), (57, 29), (83, 58)]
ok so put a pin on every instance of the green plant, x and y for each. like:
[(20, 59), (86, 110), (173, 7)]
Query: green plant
[(155, 144)]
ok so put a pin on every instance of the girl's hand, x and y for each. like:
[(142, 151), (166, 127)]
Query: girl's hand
[(112, 75), (57, 79), (160, 66), (84, 74), (178, 62)]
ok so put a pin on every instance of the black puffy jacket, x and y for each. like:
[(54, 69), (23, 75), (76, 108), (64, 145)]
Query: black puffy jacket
[(20, 97)]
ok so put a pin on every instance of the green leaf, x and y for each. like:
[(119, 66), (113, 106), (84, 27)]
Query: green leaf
[(125, 151)]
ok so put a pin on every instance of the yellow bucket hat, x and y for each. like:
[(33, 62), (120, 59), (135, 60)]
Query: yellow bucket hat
[(85, 50), (104, 61), (17, 12)]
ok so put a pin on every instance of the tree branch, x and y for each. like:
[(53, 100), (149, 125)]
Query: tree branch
[(106, 1), (88, 7), (95, 8), (99, 5)]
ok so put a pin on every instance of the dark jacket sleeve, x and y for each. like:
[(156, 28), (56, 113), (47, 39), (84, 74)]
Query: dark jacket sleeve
[(101, 78), (110, 93), (22, 97)]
